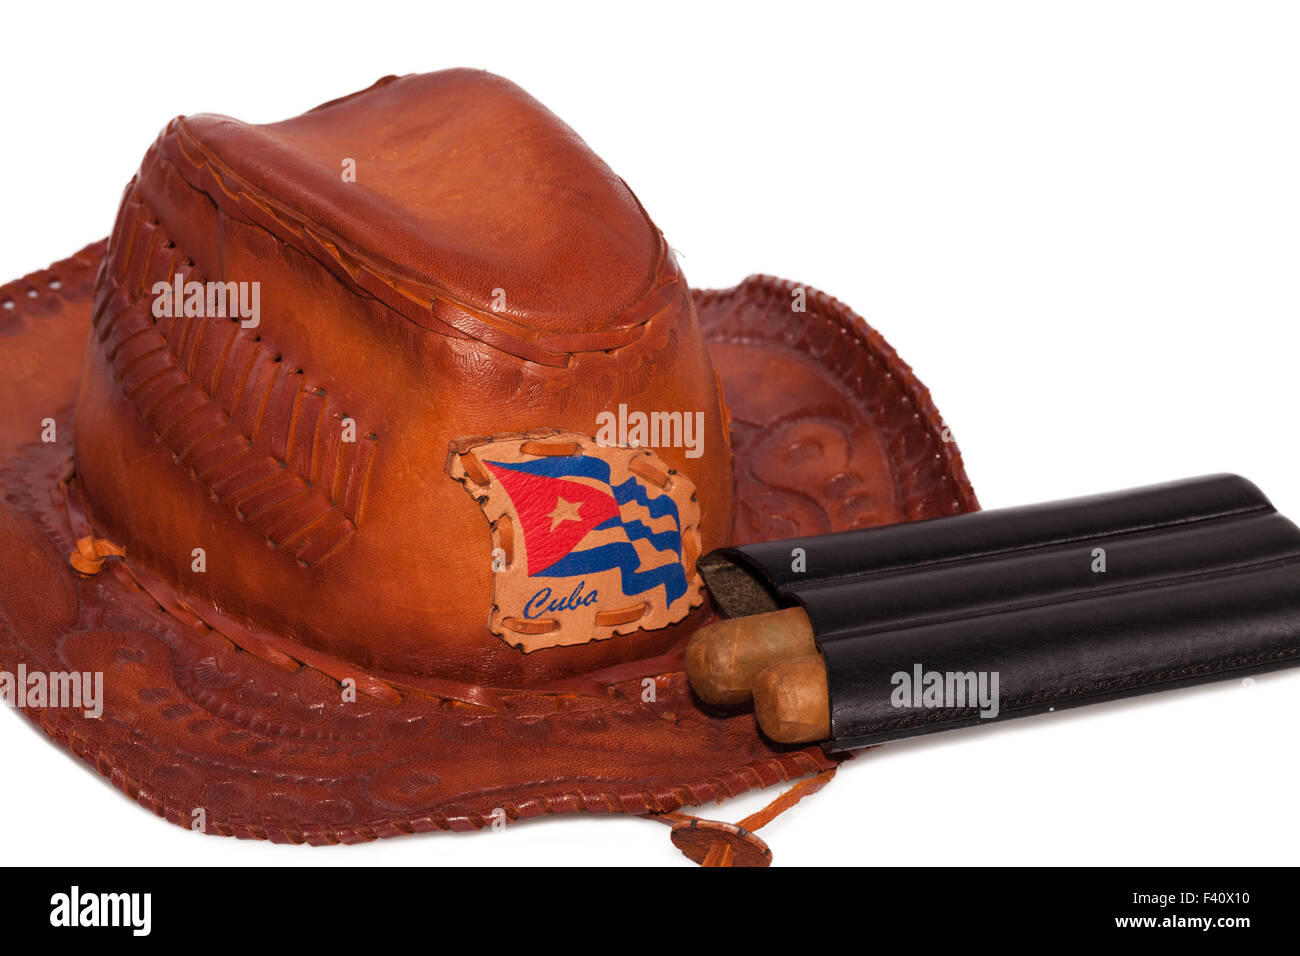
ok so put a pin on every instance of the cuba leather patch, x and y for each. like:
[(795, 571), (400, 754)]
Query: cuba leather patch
[(588, 540)]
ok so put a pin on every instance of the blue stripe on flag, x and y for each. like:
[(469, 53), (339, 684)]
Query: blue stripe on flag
[(621, 555)]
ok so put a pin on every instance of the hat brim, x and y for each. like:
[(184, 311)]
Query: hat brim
[(830, 431)]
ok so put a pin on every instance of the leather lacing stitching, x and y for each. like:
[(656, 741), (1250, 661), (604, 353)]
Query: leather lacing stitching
[(224, 188), (31, 287), (257, 440)]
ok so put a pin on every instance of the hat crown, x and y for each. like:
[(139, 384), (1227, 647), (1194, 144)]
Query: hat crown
[(304, 328), (457, 188)]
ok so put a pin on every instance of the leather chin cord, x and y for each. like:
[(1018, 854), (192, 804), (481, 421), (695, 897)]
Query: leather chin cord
[(716, 843)]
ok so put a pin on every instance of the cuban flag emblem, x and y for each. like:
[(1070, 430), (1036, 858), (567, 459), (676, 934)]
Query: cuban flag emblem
[(589, 541)]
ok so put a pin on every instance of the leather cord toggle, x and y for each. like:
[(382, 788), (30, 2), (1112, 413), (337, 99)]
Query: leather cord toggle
[(714, 843), (88, 558)]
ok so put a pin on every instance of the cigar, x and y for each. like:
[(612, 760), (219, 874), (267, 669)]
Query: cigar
[(792, 700), (724, 658), (1020, 611)]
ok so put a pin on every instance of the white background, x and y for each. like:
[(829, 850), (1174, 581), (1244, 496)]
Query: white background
[(1080, 223)]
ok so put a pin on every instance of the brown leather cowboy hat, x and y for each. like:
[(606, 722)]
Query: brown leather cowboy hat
[(369, 460)]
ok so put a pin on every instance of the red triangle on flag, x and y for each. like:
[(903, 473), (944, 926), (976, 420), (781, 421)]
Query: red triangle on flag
[(554, 514)]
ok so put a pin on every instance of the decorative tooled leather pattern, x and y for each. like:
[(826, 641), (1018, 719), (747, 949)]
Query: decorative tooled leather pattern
[(830, 429), (255, 432)]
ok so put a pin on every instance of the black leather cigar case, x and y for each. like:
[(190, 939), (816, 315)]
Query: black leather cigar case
[(957, 621)]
